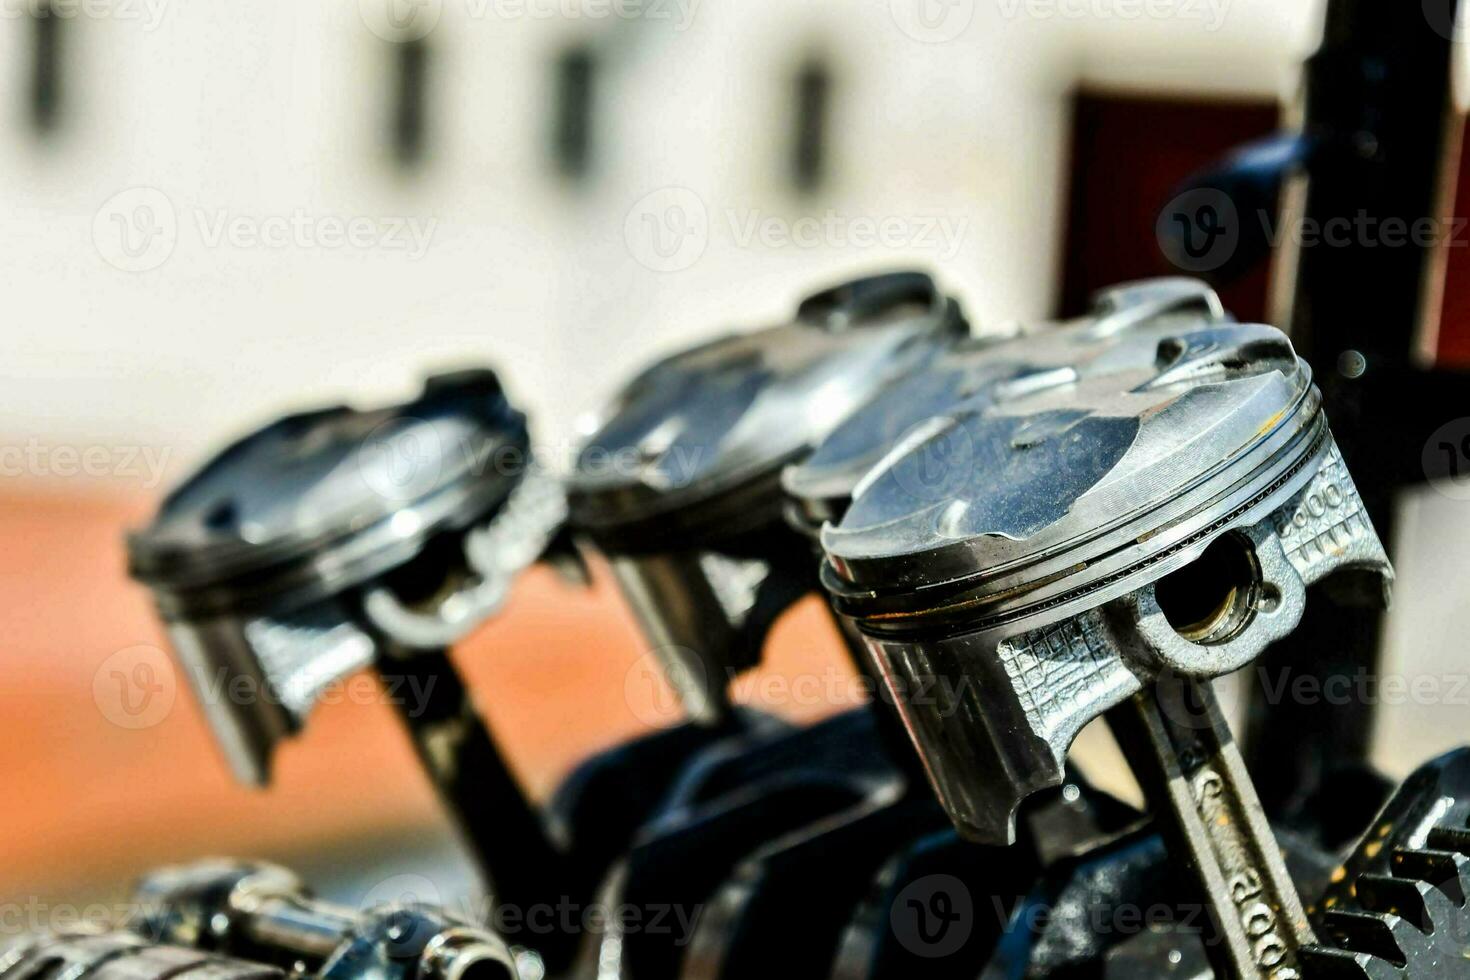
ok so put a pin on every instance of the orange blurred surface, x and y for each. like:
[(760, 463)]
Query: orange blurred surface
[(560, 673)]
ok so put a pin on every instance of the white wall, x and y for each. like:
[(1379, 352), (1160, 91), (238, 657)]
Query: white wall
[(273, 110)]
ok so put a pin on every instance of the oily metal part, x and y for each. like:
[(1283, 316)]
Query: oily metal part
[(679, 484), (317, 502), (267, 564), (994, 712), (697, 440), (123, 956), (1180, 747), (1011, 599), (261, 911), (822, 485), (1095, 535), (1104, 443), (338, 540), (1397, 907), (236, 920)]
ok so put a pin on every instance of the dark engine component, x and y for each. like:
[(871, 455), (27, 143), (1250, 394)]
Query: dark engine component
[(1135, 508), (123, 956), (1017, 533), (337, 539), (1397, 906), (227, 920), (680, 484), (697, 538)]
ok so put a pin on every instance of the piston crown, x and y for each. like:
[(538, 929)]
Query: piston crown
[(332, 496), (695, 443), (1080, 443)]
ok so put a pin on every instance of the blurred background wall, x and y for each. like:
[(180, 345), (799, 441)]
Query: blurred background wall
[(216, 211)]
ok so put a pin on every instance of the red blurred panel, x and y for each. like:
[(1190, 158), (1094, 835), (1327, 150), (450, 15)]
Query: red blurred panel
[(1128, 154), (1454, 323), (1130, 151)]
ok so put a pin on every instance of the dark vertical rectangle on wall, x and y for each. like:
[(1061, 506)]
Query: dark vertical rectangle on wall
[(410, 102), (572, 122), (1454, 320), (813, 96), (1128, 152), (46, 80)]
